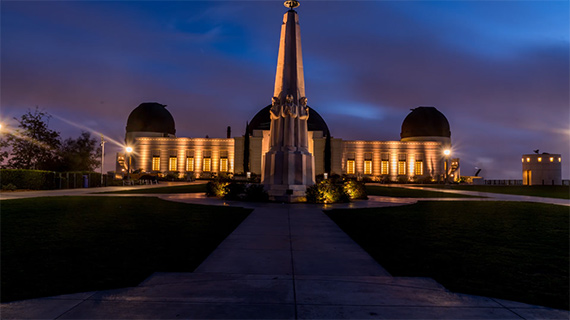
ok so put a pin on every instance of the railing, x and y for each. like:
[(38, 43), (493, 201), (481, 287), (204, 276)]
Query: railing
[(501, 182)]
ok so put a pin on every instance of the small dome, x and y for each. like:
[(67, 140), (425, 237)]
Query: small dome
[(262, 121), (151, 117), (425, 122)]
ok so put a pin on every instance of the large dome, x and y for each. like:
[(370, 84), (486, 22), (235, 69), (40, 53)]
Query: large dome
[(425, 122), (151, 117), (262, 121)]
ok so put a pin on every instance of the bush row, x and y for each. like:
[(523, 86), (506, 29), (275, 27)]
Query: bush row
[(335, 190), (12, 179), (236, 191)]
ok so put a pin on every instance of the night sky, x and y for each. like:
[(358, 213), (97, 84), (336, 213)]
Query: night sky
[(498, 70)]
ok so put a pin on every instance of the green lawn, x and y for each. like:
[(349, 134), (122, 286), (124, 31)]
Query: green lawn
[(375, 190), (510, 250), (61, 245), (192, 188), (561, 192)]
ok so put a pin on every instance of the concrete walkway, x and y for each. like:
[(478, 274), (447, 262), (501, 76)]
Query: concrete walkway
[(286, 262)]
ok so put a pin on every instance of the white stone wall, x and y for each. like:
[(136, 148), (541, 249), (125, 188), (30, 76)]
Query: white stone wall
[(542, 169)]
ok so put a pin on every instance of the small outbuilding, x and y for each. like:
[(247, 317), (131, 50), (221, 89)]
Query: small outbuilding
[(542, 169)]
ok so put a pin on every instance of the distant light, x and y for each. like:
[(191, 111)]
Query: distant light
[(539, 159), (522, 159), (551, 159), (129, 149), (527, 159), (447, 152), (559, 159)]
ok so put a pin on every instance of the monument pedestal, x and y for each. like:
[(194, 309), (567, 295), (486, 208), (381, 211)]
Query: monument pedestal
[(287, 175)]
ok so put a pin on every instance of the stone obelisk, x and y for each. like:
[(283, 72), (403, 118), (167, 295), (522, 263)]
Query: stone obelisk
[(288, 165)]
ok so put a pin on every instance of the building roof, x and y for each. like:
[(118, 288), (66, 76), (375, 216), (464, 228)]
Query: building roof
[(262, 121), (151, 117), (425, 122)]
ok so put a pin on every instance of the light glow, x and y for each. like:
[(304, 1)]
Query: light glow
[(446, 152), (129, 149), (155, 163), (350, 167), (173, 164)]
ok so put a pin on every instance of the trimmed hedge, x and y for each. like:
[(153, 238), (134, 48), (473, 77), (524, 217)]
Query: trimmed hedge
[(46, 180)]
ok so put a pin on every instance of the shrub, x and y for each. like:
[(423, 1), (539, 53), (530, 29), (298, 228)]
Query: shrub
[(216, 188), (234, 191), (327, 191), (423, 179), (8, 187), (256, 193), (355, 189), (403, 179), (29, 179)]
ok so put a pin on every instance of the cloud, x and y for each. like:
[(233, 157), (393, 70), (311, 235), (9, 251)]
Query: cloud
[(497, 70)]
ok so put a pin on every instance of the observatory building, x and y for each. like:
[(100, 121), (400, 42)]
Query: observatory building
[(287, 143)]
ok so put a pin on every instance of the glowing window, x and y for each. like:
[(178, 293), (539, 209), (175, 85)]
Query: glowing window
[(385, 167), (539, 159), (522, 159), (207, 165), (559, 159), (350, 167), (419, 168), (401, 167), (551, 159), (224, 165), (368, 167), (189, 163), (173, 164), (155, 163), (527, 159)]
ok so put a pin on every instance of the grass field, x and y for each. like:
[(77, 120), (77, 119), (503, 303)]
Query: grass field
[(561, 192), (509, 250), (59, 245), (375, 190), (193, 188)]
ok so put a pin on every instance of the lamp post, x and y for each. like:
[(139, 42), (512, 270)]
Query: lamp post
[(102, 158), (446, 152), (129, 151)]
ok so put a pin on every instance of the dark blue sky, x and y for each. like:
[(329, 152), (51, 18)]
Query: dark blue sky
[(498, 70)]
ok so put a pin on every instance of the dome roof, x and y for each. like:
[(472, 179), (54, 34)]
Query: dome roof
[(262, 121), (151, 117), (425, 122)]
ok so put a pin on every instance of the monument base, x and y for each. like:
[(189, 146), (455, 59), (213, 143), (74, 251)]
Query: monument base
[(287, 193), (287, 175)]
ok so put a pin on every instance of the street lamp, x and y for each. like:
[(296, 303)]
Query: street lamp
[(129, 151), (102, 158), (446, 152)]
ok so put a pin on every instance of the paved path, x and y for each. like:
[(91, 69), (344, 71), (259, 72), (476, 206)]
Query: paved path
[(284, 261)]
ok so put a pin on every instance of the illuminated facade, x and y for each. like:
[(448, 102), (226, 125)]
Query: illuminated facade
[(542, 169), (412, 159)]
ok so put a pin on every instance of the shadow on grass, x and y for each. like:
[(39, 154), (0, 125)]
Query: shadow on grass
[(374, 190), (509, 250), (193, 188), (560, 192), (60, 245)]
